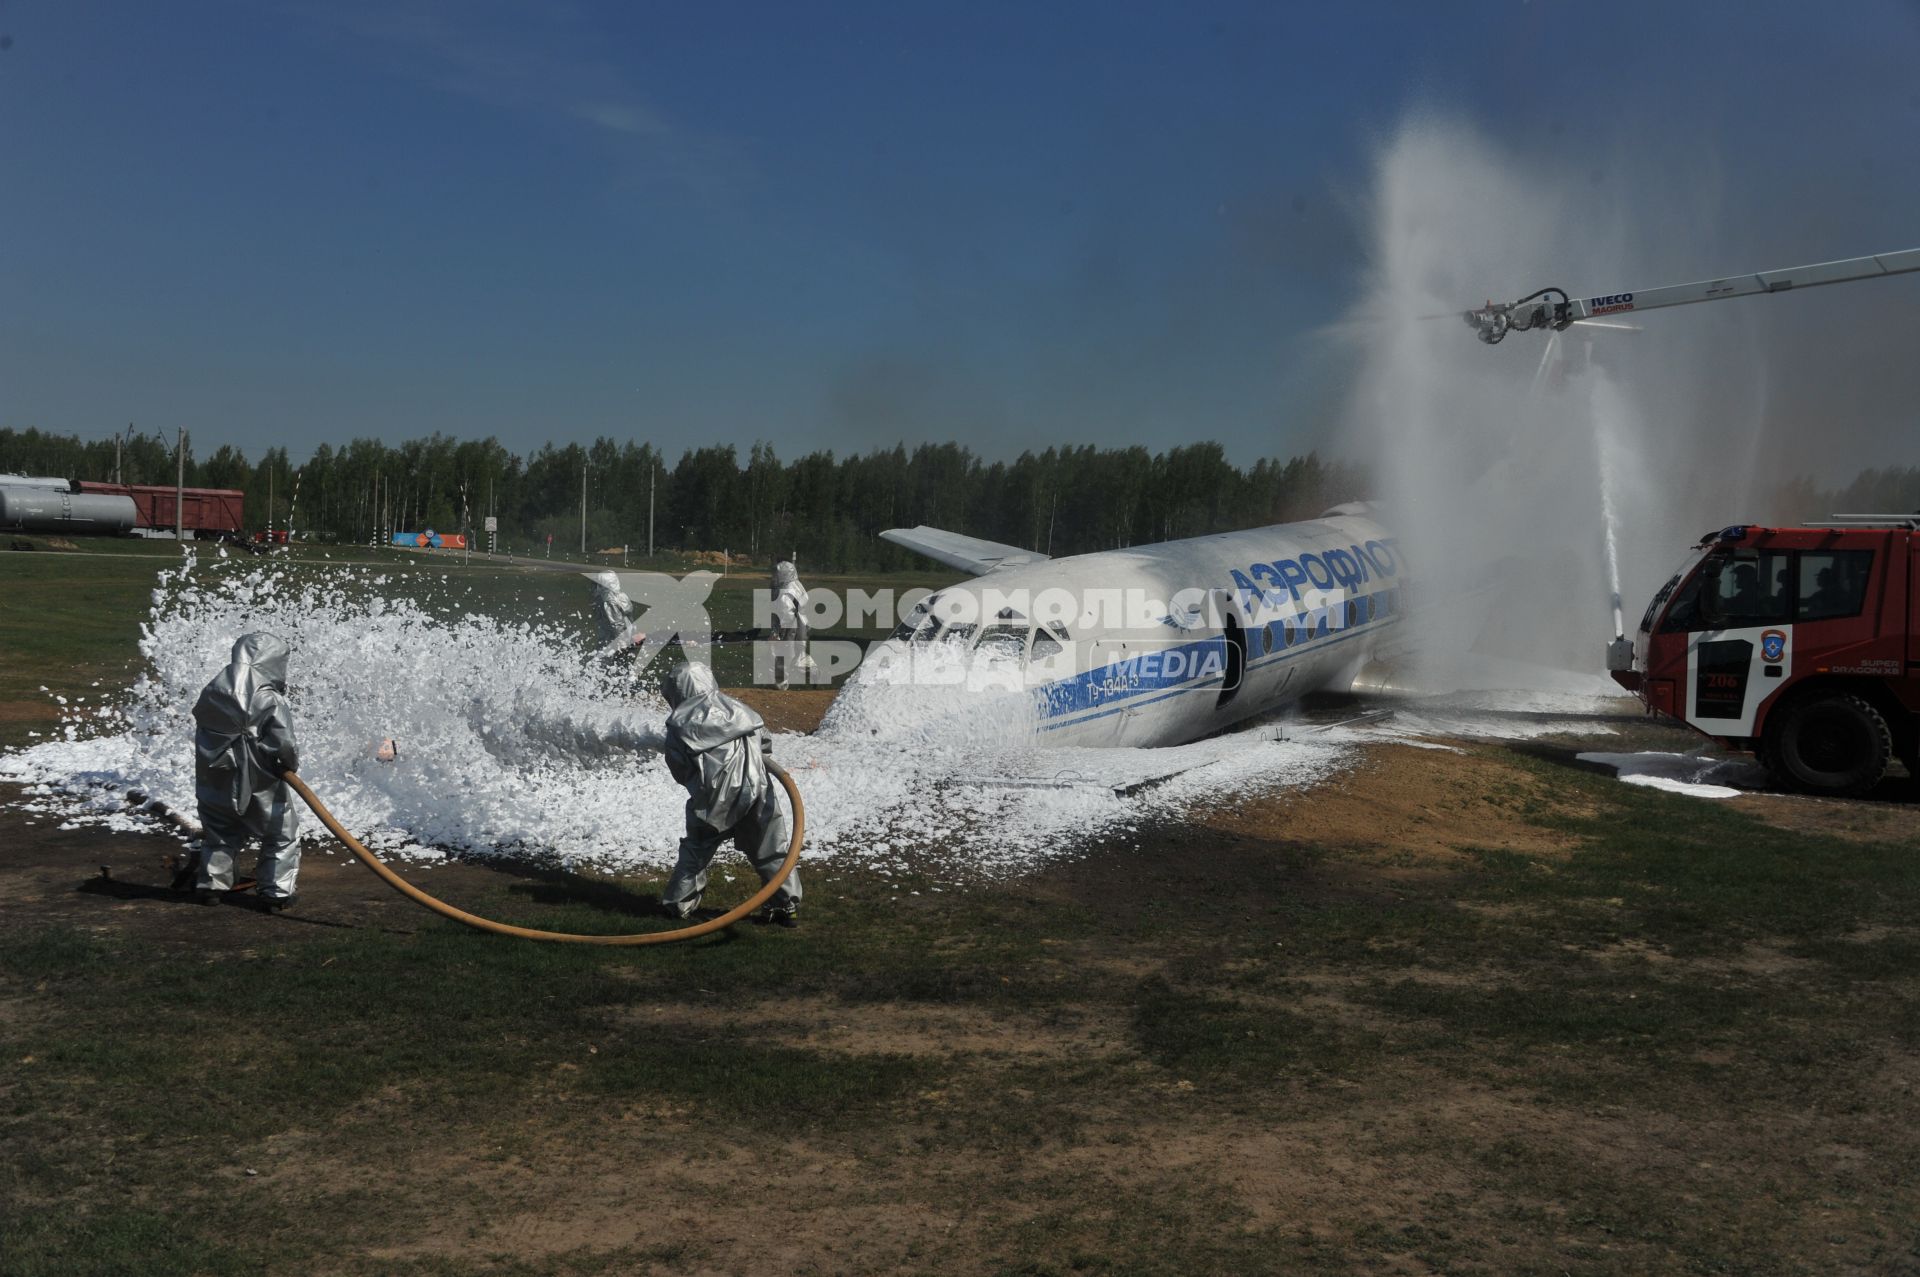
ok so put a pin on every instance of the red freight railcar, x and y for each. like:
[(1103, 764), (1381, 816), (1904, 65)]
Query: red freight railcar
[(206, 512)]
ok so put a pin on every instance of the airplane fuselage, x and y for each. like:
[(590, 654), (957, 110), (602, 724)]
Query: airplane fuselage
[(1155, 645)]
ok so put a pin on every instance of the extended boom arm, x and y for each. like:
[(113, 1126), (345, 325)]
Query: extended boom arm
[(1552, 309)]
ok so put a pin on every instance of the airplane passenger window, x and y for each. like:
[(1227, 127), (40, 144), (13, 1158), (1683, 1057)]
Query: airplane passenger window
[(1833, 583)]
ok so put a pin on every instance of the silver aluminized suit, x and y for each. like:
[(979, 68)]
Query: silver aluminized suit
[(244, 741), (789, 622), (713, 748), (612, 615)]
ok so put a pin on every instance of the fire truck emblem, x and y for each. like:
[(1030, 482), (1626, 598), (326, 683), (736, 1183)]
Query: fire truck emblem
[(1773, 644)]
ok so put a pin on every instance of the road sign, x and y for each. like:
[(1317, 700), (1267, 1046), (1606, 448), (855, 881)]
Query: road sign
[(493, 524)]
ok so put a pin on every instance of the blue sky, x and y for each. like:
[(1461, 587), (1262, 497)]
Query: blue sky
[(830, 225)]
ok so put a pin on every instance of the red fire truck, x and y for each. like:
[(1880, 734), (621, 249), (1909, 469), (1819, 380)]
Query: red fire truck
[(1799, 644)]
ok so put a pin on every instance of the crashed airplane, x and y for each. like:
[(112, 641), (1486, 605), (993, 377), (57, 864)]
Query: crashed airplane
[(1148, 646)]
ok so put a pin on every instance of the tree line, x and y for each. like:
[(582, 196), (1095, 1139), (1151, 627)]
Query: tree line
[(1875, 490), (827, 509)]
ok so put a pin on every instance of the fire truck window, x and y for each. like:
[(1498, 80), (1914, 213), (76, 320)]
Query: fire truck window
[(1735, 591), (1653, 608), (1833, 583), (1752, 590), (1685, 611)]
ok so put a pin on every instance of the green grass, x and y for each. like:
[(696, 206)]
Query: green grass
[(1678, 1048), (117, 1243), (1506, 979), (64, 625), (1197, 1035)]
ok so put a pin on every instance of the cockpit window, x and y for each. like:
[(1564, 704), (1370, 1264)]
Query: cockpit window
[(915, 619), (1005, 640), (1045, 645)]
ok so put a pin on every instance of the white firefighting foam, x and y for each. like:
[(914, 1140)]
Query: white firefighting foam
[(510, 744)]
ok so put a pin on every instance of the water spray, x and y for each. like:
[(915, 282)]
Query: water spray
[(1552, 310)]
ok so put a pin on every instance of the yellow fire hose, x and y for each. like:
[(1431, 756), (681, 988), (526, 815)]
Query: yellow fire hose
[(446, 910)]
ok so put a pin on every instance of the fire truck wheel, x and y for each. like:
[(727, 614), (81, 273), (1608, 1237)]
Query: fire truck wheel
[(1831, 744)]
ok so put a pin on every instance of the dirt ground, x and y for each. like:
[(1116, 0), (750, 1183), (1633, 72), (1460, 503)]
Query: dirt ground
[(798, 709), (1379, 1157)]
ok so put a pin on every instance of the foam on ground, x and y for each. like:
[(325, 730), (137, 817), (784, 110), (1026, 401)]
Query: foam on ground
[(1690, 774), (511, 744)]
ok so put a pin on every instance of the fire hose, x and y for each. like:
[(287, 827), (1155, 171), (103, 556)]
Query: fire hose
[(446, 910)]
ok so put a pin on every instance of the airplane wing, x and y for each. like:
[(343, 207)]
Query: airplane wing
[(969, 554)]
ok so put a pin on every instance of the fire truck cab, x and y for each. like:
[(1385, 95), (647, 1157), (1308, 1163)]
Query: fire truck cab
[(1801, 645)]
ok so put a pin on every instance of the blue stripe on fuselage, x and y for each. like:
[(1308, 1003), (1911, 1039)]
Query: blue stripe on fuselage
[(1139, 674), (1112, 688)]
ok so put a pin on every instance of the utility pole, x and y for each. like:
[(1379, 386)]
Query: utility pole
[(179, 481), (583, 510), (269, 496), (650, 473)]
